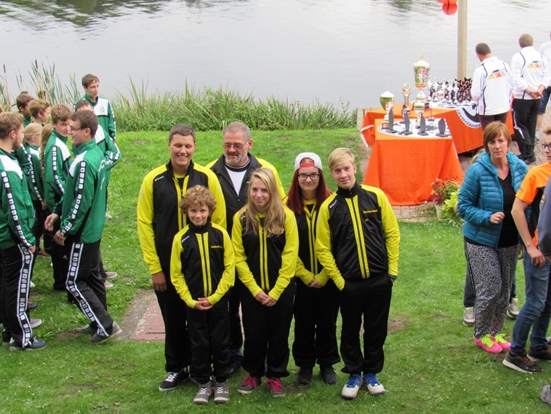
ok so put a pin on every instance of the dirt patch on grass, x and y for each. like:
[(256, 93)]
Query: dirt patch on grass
[(394, 325)]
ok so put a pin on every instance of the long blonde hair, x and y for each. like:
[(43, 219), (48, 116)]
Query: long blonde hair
[(274, 220), (44, 137)]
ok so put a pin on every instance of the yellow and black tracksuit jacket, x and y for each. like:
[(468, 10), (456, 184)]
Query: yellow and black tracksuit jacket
[(308, 264), (202, 264), (357, 235), (265, 263), (160, 218)]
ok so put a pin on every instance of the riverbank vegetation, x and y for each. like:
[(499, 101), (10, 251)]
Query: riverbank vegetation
[(205, 109), (431, 363)]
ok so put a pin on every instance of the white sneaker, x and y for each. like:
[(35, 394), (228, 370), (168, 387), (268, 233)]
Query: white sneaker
[(352, 386), (512, 309), (31, 284), (35, 323), (373, 385), (107, 284), (468, 316)]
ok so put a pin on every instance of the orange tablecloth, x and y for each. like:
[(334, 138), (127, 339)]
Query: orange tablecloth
[(405, 167), (462, 123)]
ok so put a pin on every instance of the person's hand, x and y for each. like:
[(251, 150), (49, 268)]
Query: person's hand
[(269, 301), (32, 249), (497, 218), (203, 304), (265, 299), (50, 220), (315, 284), (159, 282), (59, 239), (537, 258)]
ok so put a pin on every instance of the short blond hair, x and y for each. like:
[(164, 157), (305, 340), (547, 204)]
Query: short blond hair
[(340, 156), (38, 105), (199, 195)]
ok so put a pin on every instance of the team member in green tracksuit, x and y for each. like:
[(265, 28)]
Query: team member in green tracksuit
[(82, 220), (16, 239), (357, 243), (101, 106), (57, 160)]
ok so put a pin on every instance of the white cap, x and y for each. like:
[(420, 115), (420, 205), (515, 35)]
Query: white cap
[(312, 156)]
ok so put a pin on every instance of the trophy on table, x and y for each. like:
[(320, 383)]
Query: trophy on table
[(419, 108), (421, 70), (406, 91), (387, 101)]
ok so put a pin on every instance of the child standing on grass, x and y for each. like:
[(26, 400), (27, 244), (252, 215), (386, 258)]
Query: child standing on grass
[(16, 240), (357, 244), (57, 160), (265, 241), (202, 269), (31, 140)]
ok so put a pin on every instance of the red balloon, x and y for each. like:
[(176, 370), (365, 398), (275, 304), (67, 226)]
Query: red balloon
[(449, 8)]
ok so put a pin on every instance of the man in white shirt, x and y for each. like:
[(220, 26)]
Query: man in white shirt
[(545, 51), (531, 77), (492, 87)]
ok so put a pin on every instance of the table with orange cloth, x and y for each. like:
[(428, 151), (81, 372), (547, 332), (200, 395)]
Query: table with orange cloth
[(405, 167), (462, 122)]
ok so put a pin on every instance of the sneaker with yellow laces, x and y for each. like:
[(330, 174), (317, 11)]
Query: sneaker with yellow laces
[(500, 340), (487, 344)]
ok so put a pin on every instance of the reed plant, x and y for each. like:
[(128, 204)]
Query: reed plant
[(213, 109), (205, 109)]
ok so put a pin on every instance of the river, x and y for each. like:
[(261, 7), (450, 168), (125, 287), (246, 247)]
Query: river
[(347, 51)]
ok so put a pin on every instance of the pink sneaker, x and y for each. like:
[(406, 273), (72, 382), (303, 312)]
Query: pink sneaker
[(487, 344), (500, 340)]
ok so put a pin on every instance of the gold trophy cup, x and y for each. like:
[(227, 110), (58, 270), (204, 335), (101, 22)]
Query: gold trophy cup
[(387, 101)]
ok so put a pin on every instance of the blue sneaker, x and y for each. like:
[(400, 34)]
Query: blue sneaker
[(373, 385), (352, 386)]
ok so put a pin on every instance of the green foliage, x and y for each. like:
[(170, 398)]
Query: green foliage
[(211, 109)]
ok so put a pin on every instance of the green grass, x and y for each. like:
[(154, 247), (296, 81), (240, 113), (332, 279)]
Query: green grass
[(431, 364)]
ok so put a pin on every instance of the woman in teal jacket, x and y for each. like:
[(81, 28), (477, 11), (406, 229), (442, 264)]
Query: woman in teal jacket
[(491, 238)]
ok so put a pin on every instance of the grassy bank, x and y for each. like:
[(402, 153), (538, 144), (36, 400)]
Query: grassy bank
[(431, 363), (205, 109)]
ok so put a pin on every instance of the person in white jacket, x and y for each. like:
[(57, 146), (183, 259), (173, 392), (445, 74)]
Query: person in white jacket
[(492, 87), (531, 77), (545, 51)]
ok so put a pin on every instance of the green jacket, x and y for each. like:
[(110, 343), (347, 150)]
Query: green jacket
[(57, 160), (83, 209), (104, 112), (16, 206), (36, 184)]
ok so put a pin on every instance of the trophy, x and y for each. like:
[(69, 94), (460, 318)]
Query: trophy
[(387, 101), (406, 91), (419, 108), (421, 70)]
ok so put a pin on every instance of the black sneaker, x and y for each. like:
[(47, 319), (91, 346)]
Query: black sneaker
[(35, 345), (173, 380), (521, 363), (100, 339), (328, 374), (305, 376), (31, 306), (540, 354)]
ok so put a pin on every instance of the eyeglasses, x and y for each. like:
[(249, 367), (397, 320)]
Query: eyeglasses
[(75, 129), (546, 146), (313, 177), (236, 146)]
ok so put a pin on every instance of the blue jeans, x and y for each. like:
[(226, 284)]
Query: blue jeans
[(536, 312)]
